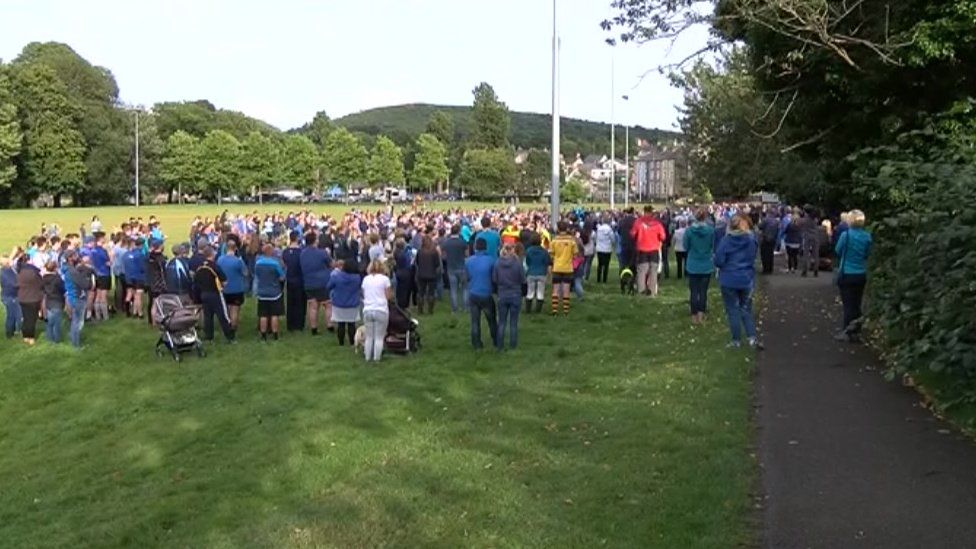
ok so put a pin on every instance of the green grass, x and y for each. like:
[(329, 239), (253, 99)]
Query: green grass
[(621, 426)]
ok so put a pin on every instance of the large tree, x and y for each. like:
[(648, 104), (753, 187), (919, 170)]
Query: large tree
[(430, 163), (441, 126), (487, 173), (345, 157), (535, 173), (318, 129), (259, 162), (300, 162), (11, 138), (220, 164), (180, 165), (490, 118), (385, 163), (54, 149)]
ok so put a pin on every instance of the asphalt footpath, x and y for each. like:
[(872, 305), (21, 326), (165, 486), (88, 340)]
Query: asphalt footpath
[(849, 459)]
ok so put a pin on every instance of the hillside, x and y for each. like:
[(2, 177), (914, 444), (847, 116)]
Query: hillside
[(404, 122)]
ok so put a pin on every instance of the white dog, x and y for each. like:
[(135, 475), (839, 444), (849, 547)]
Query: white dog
[(360, 341)]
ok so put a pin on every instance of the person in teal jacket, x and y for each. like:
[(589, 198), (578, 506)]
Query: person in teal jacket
[(699, 241), (853, 249)]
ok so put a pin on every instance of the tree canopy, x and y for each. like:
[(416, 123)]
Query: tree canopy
[(430, 163), (385, 163)]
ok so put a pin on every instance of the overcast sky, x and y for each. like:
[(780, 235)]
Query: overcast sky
[(282, 61)]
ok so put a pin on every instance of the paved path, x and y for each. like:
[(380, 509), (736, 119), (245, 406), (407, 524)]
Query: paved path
[(848, 459)]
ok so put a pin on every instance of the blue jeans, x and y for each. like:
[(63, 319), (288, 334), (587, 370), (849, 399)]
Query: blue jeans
[(477, 304), (698, 286), (14, 316), (53, 329), (459, 289), (77, 321), (738, 307), (508, 313)]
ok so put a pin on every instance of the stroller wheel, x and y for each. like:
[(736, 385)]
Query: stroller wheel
[(176, 357), (201, 352)]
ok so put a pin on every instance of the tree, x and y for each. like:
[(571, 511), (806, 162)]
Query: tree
[(54, 149), (535, 176), (220, 163), (430, 163), (385, 163), (300, 162), (573, 191), (345, 157), (259, 161), (490, 118), (488, 173), (318, 129), (441, 126), (11, 138), (180, 165)]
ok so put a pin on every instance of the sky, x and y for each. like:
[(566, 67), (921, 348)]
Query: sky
[(284, 61)]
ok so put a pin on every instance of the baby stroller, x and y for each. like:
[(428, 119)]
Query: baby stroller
[(177, 324), (402, 337)]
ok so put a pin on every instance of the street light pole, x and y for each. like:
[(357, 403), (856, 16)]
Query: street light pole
[(554, 190), (626, 160), (613, 137), (137, 158)]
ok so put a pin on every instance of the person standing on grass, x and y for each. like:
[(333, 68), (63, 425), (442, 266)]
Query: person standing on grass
[(604, 244), (101, 262), (345, 287), (699, 244), (648, 234), (316, 266), (54, 292), (853, 249), (79, 282), (178, 279), (508, 276), (8, 292), (455, 252), (377, 293), (236, 272), (30, 293), (479, 268), (588, 239), (294, 284), (155, 274), (210, 281), (269, 276), (563, 249), (134, 263), (428, 273), (537, 263), (736, 259), (118, 270), (680, 252)]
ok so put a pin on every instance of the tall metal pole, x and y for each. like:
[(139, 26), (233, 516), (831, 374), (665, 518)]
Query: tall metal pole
[(613, 136), (137, 158), (627, 168), (554, 190)]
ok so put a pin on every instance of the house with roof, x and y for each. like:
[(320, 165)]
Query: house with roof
[(661, 171)]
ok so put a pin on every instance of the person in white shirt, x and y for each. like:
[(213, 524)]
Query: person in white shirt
[(680, 252), (377, 293), (604, 240)]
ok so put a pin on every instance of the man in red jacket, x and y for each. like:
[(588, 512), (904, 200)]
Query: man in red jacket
[(648, 234)]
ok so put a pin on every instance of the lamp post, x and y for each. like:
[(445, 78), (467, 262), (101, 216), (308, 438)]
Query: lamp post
[(626, 161), (137, 157), (554, 189), (613, 137)]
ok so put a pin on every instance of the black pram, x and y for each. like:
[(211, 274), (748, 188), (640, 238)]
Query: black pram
[(402, 337), (177, 324)]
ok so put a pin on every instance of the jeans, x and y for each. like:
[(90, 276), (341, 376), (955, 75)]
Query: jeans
[(698, 286), (665, 263), (602, 266), (680, 258), (14, 316), (852, 295), (508, 313), (477, 304), (738, 308), (767, 250), (375, 323), (53, 329), (578, 283), (425, 289), (77, 321), (587, 266), (458, 281), (811, 254)]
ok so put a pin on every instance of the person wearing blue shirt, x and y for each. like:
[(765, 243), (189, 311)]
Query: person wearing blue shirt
[(736, 260), (479, 269), (316, 265), (853, 249), (344, 290), (102, 265), (236, 272), (134, 266), (178, 278), (537, 263), (269, 276), (493, 240), (699, 241), (294, 284)]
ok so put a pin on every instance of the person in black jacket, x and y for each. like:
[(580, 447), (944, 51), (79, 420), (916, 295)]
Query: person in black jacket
[(209, 280), (628, 254), (82, 282), (53, 301), (294, 284), (30, 293), (155, 273)]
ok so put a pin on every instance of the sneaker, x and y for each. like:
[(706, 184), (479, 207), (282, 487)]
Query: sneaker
[(756, 344), (842, 337), (733, 345)]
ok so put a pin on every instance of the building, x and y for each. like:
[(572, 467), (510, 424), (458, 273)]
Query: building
[(660, 171)]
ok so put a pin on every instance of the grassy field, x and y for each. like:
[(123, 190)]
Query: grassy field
[(620, 426)]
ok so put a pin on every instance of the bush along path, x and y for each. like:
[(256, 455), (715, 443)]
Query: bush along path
[(848, 459)]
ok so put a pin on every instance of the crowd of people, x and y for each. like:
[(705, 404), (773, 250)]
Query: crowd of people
[(325, 273)]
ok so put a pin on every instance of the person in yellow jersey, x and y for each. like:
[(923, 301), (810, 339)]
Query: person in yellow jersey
[(565, 249), (511, 233)]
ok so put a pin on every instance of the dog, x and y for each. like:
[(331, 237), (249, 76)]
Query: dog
[(628, 282), (359, 343)]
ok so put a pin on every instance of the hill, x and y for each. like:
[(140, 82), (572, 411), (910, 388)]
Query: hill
[(405, 122)]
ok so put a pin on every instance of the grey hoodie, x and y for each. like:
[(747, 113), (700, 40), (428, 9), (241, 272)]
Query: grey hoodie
[(509, 275)]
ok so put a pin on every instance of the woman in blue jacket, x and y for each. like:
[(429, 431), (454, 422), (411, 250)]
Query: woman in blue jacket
[(853, 248), (344, 289), (699, 240), (269, 279), (736, 260)]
